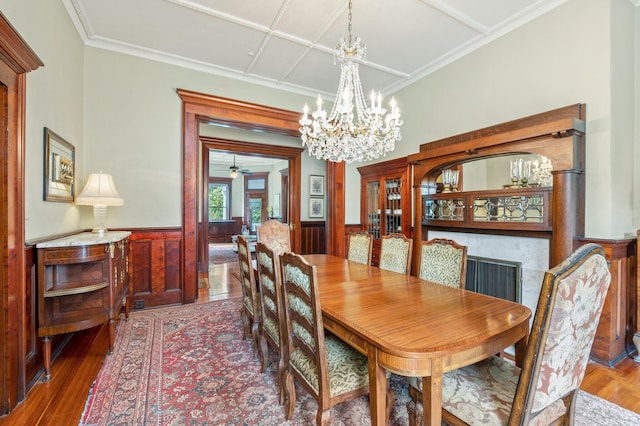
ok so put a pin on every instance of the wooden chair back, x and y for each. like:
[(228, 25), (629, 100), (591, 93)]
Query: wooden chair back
[(444, 262), (544, 389), (329, 369), (563, 331), (250, 312), (360, 247), (275, 235), (272, 325), (395, 253)]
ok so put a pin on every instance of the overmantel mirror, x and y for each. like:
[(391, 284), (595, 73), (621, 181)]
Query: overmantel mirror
[(484, 181)]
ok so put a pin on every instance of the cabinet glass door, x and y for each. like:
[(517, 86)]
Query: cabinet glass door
[(373, 209), (393, 206)]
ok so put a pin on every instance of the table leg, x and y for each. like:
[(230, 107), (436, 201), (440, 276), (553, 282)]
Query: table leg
[(432, 395), (377, 390), (520, 348)]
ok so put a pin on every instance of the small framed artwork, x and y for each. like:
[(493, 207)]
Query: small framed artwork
[(59, 168), (316, 207), (316, 185)]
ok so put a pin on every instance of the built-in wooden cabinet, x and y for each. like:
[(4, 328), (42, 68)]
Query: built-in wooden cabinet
[(385, 200), (523, 209), (82, 283)]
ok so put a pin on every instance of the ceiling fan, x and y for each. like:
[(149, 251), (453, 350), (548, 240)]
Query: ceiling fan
[(235, 169)]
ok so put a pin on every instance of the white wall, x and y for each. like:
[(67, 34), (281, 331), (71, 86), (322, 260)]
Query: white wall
[(54, 100), (561, 58)]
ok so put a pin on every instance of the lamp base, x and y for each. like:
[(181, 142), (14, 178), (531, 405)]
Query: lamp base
[(99, 213)]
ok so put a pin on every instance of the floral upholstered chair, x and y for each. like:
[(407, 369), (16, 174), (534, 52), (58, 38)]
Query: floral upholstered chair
[(444, 262), (250, 312), (360, 247), (271, 329), (495, 392), (325, 366), (275, 235), (395, 253)]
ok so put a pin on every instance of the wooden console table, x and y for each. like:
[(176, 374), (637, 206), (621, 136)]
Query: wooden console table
[(82, 282)]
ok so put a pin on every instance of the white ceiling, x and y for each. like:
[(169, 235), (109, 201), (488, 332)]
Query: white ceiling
[(289, 44)]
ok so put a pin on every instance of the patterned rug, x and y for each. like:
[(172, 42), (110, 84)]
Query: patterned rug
[(221, 254), (189, 365)]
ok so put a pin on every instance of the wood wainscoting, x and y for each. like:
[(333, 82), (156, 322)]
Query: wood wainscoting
[(155, 273), (618, 319), (313, 237)]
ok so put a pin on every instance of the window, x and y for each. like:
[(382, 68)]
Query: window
[(219, 199)]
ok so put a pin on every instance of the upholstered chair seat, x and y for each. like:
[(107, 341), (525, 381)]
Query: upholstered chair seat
[(325, 366), (543, 391)]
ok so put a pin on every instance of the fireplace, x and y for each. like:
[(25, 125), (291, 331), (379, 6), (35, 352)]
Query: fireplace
[(531, 254), (494, 277)]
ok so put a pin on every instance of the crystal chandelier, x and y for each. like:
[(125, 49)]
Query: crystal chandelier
[(363, 135)]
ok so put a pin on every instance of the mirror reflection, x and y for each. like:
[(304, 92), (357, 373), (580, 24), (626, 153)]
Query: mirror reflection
[(511, 171)]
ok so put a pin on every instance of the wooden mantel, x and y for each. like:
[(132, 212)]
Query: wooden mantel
[(557, 134)]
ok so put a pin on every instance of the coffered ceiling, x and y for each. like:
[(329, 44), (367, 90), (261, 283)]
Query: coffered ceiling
[(289, 44)]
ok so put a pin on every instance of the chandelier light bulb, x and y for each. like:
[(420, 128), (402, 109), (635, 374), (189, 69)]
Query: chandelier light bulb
[(352, 132)]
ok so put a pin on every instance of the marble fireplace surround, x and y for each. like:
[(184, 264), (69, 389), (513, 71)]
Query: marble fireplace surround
[(532, 253)]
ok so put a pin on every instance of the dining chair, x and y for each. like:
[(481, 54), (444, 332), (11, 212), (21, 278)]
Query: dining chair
[(325, 366), (272, 325), (275, 235), (250, 312), (395, 253), (360, 247), (496, 392), (443, 261)]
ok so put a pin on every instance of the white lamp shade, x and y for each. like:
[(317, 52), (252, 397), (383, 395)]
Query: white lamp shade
[(99, 190)]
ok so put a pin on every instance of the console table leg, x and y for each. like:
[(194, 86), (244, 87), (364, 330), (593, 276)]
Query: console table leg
[(46, 355)]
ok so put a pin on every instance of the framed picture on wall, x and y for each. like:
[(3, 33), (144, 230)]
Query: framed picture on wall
[(59, 168), (316, 185), (316, 207)]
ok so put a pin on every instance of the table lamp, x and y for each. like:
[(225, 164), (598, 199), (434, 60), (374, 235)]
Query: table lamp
[(99, 192)]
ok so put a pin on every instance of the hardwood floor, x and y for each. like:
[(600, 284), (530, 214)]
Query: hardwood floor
[(61, 401)]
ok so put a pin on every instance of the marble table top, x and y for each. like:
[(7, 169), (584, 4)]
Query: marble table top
[(85, 239)]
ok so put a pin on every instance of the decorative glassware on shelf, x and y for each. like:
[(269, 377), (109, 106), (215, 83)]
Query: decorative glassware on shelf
[(446, 180), (520, 171), (514, 172), (542, 168), (454, 180)]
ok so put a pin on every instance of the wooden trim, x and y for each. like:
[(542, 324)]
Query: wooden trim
[(16, 59), (201, 108), (335, 243), (556, 134)]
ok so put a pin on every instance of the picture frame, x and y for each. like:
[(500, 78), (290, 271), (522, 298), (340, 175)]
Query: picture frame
[(59, 168), (316, 185), (316, 207)]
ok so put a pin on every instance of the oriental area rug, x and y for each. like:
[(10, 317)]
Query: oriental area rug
[(189, 365)]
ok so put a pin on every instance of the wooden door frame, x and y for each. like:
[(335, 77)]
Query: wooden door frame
[(200, 108), (16, 59)]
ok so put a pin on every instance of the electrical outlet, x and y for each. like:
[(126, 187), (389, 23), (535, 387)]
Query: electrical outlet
[(138, 304)]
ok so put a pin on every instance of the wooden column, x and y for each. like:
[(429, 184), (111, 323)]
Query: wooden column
[(335, 211)]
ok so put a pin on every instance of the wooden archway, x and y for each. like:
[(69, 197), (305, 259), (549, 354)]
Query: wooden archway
[(202, 108), (557, 134)]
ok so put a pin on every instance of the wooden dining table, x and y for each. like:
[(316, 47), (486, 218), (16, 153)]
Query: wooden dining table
[(413, 327)]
